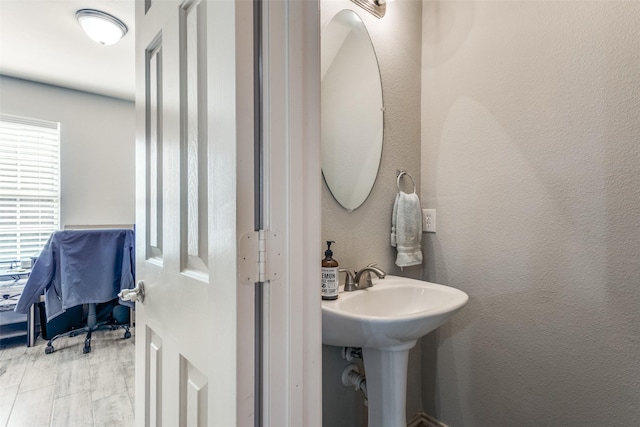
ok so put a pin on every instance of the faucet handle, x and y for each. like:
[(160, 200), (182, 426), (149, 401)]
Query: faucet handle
[(349, 281), (367, 278), (363, 277)]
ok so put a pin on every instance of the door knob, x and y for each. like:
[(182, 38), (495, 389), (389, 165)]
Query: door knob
[(134, 295)]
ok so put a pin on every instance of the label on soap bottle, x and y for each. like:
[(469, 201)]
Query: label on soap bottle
[(329, 282)]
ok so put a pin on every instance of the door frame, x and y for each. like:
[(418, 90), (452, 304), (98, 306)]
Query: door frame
[(292, 387)]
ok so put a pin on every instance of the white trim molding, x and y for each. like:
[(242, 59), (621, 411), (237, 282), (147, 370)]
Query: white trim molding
[(423, 420)]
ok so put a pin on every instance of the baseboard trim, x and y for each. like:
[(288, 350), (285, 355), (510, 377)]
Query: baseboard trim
[(423, 420)]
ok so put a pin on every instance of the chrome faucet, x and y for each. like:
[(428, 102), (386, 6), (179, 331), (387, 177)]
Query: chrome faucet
[(353, 283), (364, 275), (349, 281)]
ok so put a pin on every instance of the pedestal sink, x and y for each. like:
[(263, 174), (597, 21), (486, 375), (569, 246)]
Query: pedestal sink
[(386, 320)]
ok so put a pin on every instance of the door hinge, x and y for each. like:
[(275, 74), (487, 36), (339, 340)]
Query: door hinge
[(260, 256)]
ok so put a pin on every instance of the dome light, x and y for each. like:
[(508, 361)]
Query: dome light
[(100, 26)]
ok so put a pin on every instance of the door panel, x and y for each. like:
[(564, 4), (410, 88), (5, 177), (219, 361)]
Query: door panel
[(153, 379), (194, 148), (193, 395), (188, 328), (153, 71)]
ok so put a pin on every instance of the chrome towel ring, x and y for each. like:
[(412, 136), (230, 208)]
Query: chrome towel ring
[(400, 173)]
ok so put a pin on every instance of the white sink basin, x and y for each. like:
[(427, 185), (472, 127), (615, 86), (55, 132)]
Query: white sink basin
[(386, 320), (394, 311)]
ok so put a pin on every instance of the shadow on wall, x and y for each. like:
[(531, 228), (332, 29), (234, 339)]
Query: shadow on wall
[(541, 228), (439, 345), (530, 149)]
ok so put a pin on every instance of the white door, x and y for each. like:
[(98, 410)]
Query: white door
[(196, 362), (194, 329)]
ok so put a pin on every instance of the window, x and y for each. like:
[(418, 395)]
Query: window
[(29, 186)]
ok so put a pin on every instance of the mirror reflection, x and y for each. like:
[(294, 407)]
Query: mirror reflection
[(352, 110)]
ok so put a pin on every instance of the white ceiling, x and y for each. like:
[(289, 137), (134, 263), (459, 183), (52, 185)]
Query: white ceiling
[(41, 40)]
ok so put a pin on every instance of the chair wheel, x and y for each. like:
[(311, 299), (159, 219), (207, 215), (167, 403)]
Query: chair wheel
[(48, 350), (86, 350), (127, 335)]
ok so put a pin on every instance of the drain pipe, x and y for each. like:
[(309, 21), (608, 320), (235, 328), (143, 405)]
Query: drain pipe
[(350, 353), (351, 376)]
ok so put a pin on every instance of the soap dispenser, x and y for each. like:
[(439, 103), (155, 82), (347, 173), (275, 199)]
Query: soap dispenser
[(329, 274)]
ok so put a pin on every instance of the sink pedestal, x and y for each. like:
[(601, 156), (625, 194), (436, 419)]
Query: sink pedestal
[(386, 373)]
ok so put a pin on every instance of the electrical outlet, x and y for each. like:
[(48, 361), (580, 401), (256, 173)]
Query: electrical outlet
[(429, 220)]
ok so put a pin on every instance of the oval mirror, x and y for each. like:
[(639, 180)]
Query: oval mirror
[(352, 110)]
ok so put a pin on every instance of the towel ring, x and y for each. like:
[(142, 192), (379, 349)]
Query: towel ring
[(400, 174)]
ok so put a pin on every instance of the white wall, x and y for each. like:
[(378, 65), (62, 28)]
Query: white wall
[(97, 148), (531, 155)]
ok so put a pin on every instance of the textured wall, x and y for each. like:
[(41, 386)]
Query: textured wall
[(531, 154), (96, 152), (362, 236)]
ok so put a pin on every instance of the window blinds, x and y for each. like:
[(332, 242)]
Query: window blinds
[(29, 186)]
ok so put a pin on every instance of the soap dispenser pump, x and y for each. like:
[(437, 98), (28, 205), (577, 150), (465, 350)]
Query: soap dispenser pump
[(329, 274)]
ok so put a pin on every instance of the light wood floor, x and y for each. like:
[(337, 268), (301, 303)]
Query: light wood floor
[(68, 388)]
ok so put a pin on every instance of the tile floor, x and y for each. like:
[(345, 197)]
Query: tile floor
[(67, 387)]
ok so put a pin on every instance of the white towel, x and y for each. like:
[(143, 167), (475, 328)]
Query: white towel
[(406, 229)]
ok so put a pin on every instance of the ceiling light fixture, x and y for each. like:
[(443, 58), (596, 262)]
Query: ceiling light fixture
[(100, 26)]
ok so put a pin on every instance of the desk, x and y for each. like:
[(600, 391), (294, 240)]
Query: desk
[(14, 273), (12, 282)]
